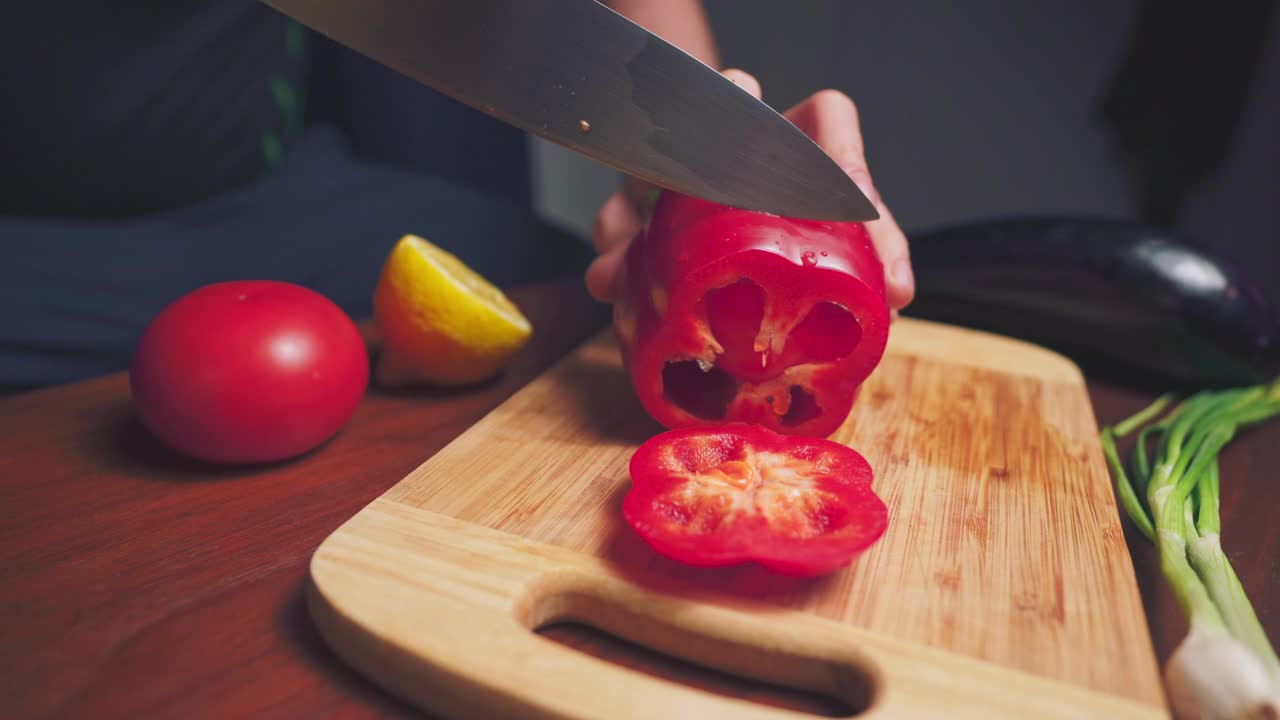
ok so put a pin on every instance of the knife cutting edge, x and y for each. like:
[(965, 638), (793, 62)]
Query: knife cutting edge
[(582, 76)]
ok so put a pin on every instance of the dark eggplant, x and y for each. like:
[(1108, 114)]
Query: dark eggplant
[(1128, 303)]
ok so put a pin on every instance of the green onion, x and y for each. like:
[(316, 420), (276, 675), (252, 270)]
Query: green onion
[(1225, 667)]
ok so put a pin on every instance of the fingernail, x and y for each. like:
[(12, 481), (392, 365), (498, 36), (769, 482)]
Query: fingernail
[(862, 179), (902, 275), (743, 80)]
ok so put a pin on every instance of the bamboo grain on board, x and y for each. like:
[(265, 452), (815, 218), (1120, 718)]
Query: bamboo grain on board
[(1004, 544)]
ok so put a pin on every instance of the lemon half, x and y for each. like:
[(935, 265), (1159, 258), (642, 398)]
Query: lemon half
[(440, 321)]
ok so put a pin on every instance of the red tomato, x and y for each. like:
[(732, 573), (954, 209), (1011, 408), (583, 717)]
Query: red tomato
[(733, 493), (250, 371), (731, 315)]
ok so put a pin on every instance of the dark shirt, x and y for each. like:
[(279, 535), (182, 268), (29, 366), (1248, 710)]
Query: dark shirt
[(119, 109)]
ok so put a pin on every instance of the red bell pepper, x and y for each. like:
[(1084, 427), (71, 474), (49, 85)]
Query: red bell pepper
[(733, 315), (733, 493)]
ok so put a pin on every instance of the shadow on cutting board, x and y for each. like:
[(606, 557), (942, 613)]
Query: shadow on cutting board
[(598, 385)]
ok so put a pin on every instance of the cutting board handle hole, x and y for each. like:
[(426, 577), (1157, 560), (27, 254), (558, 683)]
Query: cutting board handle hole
[(702, 658)]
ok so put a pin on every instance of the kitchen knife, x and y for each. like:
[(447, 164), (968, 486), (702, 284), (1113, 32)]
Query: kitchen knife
[(582, 76)]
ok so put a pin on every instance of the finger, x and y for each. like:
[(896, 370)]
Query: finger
[(602, 275), (616, 223), (831, 119), (745, 81), (891, 245)]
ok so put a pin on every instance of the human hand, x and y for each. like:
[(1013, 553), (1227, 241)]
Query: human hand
[(831, 119)]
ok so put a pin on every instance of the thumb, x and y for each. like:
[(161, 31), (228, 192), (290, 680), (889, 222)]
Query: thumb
[(745, 81)]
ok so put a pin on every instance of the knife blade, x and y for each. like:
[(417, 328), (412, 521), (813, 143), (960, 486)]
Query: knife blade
[(582, 76)]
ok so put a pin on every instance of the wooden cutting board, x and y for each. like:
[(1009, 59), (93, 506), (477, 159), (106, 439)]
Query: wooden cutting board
[(1002, 588)]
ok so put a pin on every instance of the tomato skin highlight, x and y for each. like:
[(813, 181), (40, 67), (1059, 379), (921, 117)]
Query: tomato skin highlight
[(784, 318), (248, 372), (734, 493)]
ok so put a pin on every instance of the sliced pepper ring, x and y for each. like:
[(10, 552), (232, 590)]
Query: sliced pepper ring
[(734, 493)]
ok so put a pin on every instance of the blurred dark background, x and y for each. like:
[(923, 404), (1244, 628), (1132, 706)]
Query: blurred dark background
[(1161, 111)]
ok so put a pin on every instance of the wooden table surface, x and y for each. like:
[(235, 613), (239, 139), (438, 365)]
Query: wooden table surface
[(135, 584)]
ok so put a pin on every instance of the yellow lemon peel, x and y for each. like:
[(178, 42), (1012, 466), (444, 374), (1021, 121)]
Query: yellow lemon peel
[(440, 321)]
